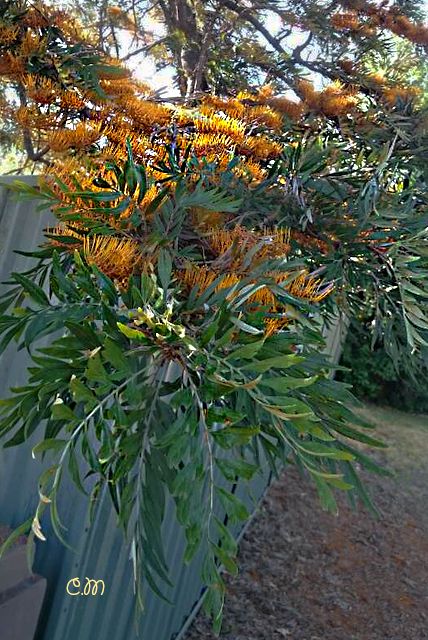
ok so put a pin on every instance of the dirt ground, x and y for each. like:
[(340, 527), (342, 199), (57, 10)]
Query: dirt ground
[(307, 575)]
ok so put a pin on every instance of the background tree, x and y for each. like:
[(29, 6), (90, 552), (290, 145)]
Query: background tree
[(224, 47), (224, 44)]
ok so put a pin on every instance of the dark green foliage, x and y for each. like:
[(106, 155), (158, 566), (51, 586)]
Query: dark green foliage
[(373, 376)]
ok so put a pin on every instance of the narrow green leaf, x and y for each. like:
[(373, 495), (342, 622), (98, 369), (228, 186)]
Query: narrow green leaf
[(49, 444), (279, 362), (35, 292), (164, 268)]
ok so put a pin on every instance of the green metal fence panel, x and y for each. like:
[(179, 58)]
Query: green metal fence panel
[(335, 335), (99, 551)]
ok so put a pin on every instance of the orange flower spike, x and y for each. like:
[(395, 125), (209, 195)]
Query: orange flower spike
[(82, 136), (31, 44), (35, 18), (214, 143), (265, 92), (251, 170), (221, 240), (265, 298), (233, 107), (307, 91), (273, 325), (61, 140), (118, 87), (244, 96), (278, 243), (290, 108), (347, 65), (203, 277), (64, 170), (333, 101), (216, 123), (114, 69), (282, 236), (193, 276), (402, 26), (420, 35), (146, 113), (116, 257), (8, 34), (262, 148), (264, 115), (229, 280), (115, 11), (309, 288), (71, 100), (43, 92), (404, 94), (346, 21)]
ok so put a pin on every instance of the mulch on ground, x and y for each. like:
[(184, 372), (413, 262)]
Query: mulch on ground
[(308, 575)]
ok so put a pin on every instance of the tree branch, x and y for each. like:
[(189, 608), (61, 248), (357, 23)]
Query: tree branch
[(145, 49), (245, 13)]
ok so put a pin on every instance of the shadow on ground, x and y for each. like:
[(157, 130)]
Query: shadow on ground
[(307, 575)]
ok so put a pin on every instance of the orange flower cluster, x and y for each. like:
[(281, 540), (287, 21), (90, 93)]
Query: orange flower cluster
[(35, 119), (203, 277), (71, 119), (119, 257), (334, 100), (346, 21), (121, 18), (392, 94), (39, 16), (78, 171), (291, 109), (382, 18), (237, 242), (8, 34), (402, 26), (116, 257), (304, 287), (218, 124), (235, 245), (81, 137), (43, 91)]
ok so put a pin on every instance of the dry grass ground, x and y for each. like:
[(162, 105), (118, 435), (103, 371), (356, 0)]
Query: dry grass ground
[(307, 575)]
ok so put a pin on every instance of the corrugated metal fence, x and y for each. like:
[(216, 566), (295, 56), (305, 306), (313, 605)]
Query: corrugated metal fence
[(99, 551)]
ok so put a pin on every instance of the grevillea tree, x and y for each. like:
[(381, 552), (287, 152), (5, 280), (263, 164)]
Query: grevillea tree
[(200, 248)]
